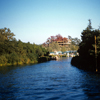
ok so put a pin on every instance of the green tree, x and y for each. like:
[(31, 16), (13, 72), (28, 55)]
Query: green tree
[(63, 49), (49, 49), (15, 52), (69, 37), (6, 34), (39, 51), (54, 46), (88, 58), (3, 59), (14, 58), (75, 41)]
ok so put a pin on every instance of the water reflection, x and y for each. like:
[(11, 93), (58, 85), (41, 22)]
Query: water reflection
[(91, 86), (53, 80)]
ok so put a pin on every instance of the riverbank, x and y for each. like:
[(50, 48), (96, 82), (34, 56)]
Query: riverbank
[(84, 63), (40, 60)]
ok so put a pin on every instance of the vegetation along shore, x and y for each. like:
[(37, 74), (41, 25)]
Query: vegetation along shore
[(89, 50), (13, 52), (16, 52)]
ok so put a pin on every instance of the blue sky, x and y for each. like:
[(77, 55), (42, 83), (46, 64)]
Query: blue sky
[(35, 20)]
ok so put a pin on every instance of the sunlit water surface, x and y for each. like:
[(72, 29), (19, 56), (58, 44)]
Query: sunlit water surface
[(53, 80)]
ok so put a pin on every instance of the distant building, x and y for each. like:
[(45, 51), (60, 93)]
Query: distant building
[(64, 42)]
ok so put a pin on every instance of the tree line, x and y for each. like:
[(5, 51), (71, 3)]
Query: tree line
[(52, 45), (89, 49), (17, 52)]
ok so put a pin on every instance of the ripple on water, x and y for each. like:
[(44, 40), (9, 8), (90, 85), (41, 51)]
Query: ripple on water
[(53, 80)]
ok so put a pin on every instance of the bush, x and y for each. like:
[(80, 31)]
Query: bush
[(32, 56), (3, 59)]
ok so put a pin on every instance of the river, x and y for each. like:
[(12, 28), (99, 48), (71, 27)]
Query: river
[(52, 80)]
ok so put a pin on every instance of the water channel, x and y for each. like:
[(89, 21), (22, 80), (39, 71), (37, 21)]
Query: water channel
[(52, 80)]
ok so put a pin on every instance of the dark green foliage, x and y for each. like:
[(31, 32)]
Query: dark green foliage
[(86, 47), (84, 63), (87, 56), (17, 52), (13, 58), (43, 59), (3, 59), (6, 34), (32, 56)]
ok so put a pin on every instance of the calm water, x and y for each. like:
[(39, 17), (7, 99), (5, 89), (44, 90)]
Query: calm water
[(53, 80)]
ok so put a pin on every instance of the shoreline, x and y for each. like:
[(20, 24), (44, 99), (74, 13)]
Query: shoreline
[(84, 63), (40, 60)]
